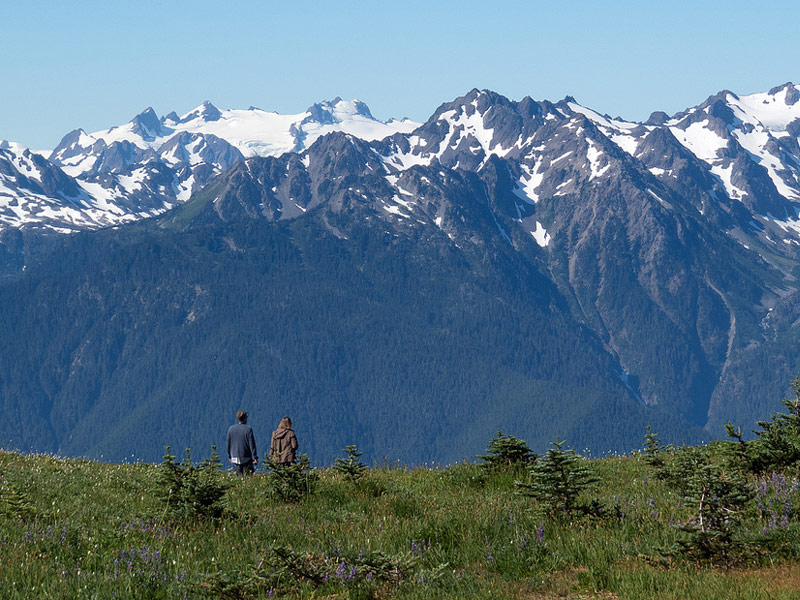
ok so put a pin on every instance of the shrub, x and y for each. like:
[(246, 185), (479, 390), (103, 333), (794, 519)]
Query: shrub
[(285, 571), (352, 468), (13, 501), (505, 452), (188, 491), (654, 452), (778, 443), (291, 482), (718, 496), (558, 479)]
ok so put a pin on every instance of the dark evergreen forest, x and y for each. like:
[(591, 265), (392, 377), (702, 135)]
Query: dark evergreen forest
[(118, 342)]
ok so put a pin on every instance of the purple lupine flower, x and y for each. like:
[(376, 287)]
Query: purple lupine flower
[(540, 533)]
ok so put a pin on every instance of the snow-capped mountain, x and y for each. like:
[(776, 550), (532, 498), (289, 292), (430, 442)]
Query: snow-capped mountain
[(150, 164), (635, 222), (732, 154), (736, 158), (654, 263), (36, 193)]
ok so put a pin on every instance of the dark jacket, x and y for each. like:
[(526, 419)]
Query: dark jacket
[(242, 443), (283, 448)]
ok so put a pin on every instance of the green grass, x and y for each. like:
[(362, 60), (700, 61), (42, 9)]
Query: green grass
[(457, 532)]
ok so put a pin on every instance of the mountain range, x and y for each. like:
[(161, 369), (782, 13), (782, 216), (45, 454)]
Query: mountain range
[(526, 265)]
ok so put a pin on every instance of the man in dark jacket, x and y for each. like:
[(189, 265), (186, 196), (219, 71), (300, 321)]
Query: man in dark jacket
[(242, 445)]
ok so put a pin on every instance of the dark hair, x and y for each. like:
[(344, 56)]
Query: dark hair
[(241, 416)]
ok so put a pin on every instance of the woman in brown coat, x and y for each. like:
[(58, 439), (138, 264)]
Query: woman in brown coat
[(283, 447)]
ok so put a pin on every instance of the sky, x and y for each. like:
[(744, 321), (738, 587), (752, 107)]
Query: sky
[(93, 65)]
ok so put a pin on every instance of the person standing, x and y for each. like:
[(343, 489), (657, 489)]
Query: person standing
[(242, 445), (283, 448)]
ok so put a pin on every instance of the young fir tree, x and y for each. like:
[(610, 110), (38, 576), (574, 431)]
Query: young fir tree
[(13, 502), (739, 452), (718, 496), (505, 452), (351, 467), (213, 463), (778, 443), (188, 491), (654, 452), (558, 479), (291, 482), (205, 488), (169, 483)]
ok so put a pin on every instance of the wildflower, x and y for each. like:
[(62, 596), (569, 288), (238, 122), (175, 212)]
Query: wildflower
[(415, 548)]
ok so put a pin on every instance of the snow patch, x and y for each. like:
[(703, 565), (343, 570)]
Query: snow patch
[(540, 235)]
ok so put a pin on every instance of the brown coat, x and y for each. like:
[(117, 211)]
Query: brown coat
[(283, 448)]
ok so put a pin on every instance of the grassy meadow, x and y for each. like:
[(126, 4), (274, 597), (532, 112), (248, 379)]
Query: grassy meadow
[(83, 529)]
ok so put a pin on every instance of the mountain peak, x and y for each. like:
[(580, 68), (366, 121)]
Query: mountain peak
[(147, 124), (791, 90), (329, 112), (658, 117), (779, 88), (205, 112), (172, 117)]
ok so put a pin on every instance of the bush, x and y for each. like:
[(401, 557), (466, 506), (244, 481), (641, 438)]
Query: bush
[(352, 468), (654, 452), (290, 482), (558, 479), (718, 496), (188, 491), (285, 571), (14, 502), (505, 452), (778, 442)]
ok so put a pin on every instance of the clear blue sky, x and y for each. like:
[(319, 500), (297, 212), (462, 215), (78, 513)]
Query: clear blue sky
[(96, 64)]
